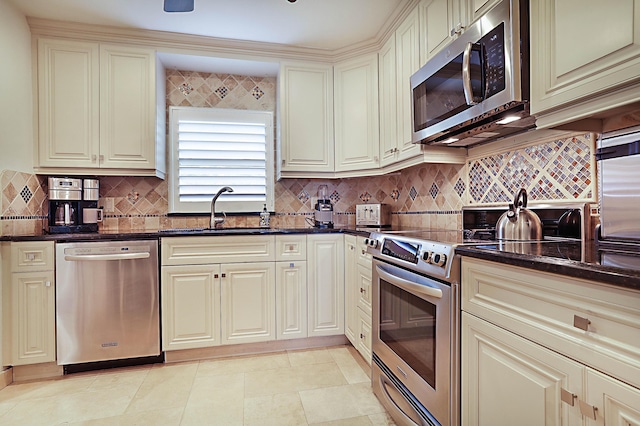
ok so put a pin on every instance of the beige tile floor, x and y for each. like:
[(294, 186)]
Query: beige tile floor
[(326, 386)]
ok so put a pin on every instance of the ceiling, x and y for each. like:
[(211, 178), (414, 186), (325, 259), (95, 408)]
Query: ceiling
[(320, 24)]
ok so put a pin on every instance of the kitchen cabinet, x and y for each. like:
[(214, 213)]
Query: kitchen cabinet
[(307, 133), (248, 302), (566, 350), (190, 306), (291, 286), (217, 290), (398, 60), (358, 275), (577, 72), (357, 136), (28, 303), (325, 280), (98, 109)]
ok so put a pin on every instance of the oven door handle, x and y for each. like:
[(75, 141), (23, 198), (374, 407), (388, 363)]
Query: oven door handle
[(384, 382), (408, 285)]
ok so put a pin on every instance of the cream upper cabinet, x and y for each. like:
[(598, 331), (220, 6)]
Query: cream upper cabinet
[(97, 110), (585, 58), (357, 140), (28, 303), (325, 263), (440, 21), (307, 138), (398, 59)]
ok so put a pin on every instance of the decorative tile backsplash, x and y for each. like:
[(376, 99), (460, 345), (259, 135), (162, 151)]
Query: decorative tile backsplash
[(562, 169), (428, 195)]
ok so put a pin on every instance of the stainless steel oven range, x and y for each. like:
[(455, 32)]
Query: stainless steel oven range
[(415, 339)]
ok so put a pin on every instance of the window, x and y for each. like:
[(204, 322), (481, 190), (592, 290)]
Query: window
[(211, 148)]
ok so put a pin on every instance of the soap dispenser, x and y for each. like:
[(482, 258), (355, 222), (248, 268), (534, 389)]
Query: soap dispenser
[(264, 217)]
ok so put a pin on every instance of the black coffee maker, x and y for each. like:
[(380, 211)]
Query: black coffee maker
[(67, 205)]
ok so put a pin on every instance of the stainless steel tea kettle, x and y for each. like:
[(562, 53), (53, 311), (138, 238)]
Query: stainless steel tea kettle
[(519, 223)]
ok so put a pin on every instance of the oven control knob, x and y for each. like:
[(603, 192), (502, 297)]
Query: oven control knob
[(371, 242), (439, 259), (426, 256)]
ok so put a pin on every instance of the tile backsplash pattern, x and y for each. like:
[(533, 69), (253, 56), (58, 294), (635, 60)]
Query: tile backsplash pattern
[(23, 206), (562, 169)]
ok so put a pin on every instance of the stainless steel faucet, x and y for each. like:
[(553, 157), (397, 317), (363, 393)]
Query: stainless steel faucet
[(214, 221)]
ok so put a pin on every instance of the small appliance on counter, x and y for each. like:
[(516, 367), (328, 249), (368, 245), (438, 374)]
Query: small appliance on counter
[(373, 215), (323, 215), (73, 206)]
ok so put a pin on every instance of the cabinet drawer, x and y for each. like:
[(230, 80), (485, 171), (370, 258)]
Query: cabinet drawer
[(364, 258), (32, 256), (588, 321), (222, 249), (291, 247)]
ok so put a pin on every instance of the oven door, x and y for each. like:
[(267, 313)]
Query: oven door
[(412, 337)]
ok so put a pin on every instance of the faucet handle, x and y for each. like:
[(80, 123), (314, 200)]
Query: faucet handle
[(219, 220)]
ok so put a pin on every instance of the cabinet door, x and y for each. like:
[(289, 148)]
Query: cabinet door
[(615, 403), (190, 306), (68, 104), (437, 20), (572, 63), (291, 300), (363, 288), (325, 265), (351, 289), (248, 302), (388, 92), (306, 93), (408, 62), (127, 107), (507, 380), (364, 335), (357, 136), (33, 316)]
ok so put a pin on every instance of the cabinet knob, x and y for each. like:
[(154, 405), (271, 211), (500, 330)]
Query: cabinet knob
[(215, 276), (101, 158), (94, 158), (47, 283), (361, 336), (581, 323), (224, 275), (361, 290)]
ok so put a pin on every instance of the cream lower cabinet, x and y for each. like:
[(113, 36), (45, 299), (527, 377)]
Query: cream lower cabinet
[(247, 302), (291, 299), (357, 308), (544, 349), (577, 72), (190, 306), (28, 303), (325, 275)]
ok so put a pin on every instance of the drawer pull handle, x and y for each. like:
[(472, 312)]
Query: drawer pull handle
[(588, 410), (581, 323), (567, 397)]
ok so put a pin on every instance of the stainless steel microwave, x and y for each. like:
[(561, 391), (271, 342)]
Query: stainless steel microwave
[(477, 88)]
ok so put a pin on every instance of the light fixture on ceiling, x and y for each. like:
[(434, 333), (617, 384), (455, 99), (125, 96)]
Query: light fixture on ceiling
[(178, 5)]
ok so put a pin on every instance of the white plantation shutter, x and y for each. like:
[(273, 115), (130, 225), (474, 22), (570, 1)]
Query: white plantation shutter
[(212, 148)]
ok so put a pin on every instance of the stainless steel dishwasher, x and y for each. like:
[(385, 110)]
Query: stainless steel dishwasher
[(107, 304)]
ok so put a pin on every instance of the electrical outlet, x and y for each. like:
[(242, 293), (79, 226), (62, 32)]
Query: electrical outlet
[(109, 205)]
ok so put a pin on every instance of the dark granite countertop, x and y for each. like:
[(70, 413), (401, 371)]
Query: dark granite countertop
[(565, 257), (106, 236)]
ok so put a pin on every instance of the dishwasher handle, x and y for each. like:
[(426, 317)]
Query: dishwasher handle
[(118, 256)]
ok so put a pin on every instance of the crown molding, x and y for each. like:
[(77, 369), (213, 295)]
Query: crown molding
[(189, 44)]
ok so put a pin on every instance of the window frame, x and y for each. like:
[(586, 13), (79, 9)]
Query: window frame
[(225, 202)]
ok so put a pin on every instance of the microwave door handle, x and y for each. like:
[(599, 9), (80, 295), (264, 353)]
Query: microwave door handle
[(408, 285), (466, 75)]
